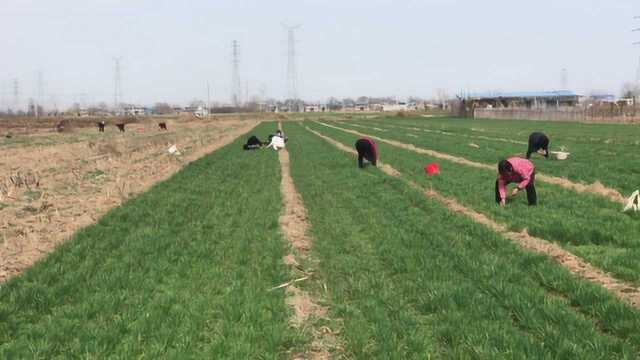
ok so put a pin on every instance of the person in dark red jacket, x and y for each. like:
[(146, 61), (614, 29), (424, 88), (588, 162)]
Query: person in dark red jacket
[(366, 150), (516, 170)]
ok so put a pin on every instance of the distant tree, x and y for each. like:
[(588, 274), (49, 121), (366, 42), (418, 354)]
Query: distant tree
[(348, 102), (93, 109), (442, 97), (195, 103), (74, 109), (630, 90), (294, 105), (31, 108), (252, 106), (334, 104), (362, 100), (161, 108)]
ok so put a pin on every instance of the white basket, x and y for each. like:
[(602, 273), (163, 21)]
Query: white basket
[(561, 155)]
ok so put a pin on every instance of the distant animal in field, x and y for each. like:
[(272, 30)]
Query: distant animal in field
[(120, 127), (100, 126), (163, 126), (60, 126)]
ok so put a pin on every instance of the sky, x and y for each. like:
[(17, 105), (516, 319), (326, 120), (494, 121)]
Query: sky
[(171, 50)]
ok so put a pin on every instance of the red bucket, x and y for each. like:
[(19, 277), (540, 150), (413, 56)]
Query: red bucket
[(431, 169)]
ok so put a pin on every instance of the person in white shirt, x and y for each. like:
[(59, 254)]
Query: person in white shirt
[(277, 142)]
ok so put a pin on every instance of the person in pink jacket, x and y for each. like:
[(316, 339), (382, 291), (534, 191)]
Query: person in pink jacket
[(516, 170)]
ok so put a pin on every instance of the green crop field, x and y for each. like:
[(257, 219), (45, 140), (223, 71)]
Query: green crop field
[(191, 268)]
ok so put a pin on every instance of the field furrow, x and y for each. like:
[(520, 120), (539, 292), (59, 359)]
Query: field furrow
[(307, 313)]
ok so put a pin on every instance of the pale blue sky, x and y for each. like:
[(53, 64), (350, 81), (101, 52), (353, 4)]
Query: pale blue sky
[(345, 48)]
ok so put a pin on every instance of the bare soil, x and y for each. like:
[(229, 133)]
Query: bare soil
[(621, 289), (50, 190), (294, 225)]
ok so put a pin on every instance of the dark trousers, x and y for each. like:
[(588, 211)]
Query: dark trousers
[(532, 197), (361, 160)]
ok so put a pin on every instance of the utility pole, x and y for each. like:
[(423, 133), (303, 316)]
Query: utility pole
[(637, 84), (246, 92), (208, 101), (40, 94), (16, 95), (117, 83), (236, 90)]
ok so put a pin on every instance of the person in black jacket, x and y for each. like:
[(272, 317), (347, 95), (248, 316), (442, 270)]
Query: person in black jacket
[(366, 150), (252, 143), (537, 141)]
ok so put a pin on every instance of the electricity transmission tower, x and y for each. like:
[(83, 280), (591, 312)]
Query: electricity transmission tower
[(637, 84), (236, 87), (117, 83), (292, 76)]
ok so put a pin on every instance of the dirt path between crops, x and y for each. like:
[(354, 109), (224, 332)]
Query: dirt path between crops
[(294, 225), (47, 193), (621, 289), (596, 188)]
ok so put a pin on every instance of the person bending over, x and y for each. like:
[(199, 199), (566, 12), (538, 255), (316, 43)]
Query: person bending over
[(252, 143), (537, 141), (276, 142), (366, 150), (516, 170)]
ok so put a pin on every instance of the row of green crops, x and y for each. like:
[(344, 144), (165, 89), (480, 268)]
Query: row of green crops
[(587, 225), (574, 133), (409, 280), (181, 271), (611, 159)]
